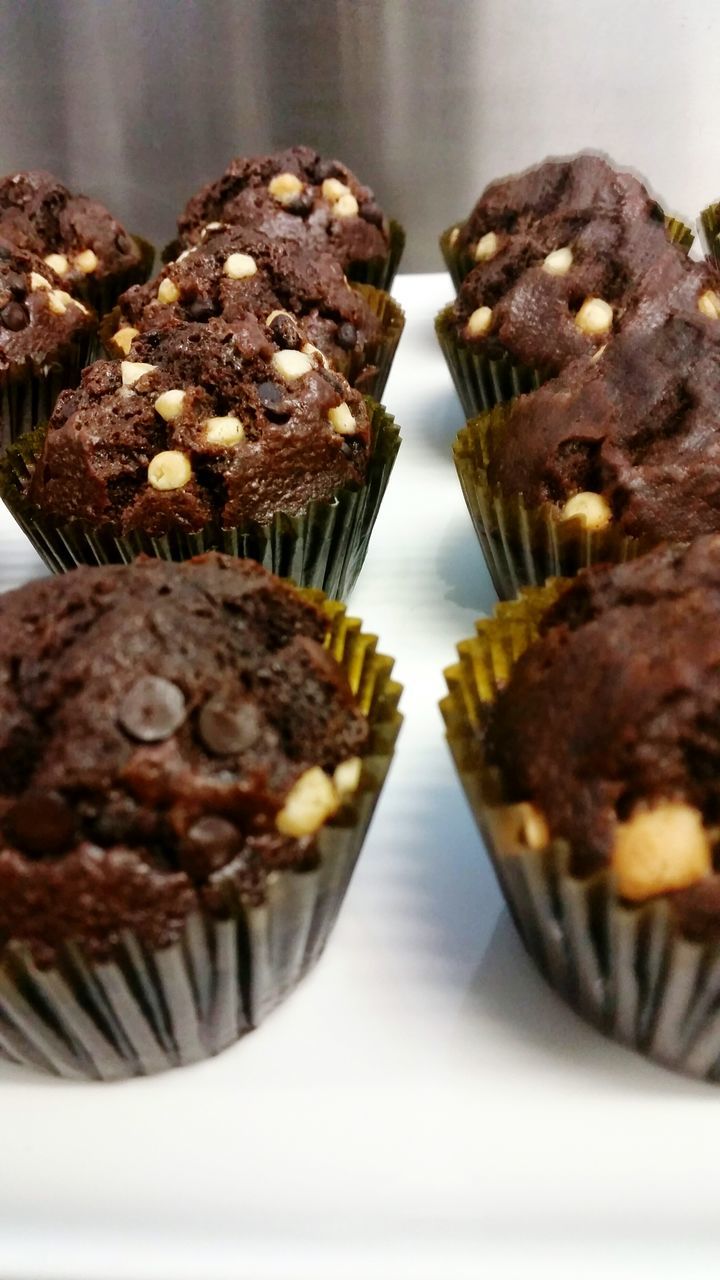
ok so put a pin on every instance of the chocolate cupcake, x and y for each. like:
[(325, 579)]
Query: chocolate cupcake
[(209, 436), (45, 338), (618, 453), (76, 236), (191, 757), (604, 829), (301, 196), (236, 270)]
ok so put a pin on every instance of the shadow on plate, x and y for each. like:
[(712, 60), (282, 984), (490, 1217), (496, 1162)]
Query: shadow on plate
[(461, 567)]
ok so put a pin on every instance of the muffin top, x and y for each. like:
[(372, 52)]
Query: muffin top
[(236, 270), (631, 437), (636, 787), (38, 319), (203, 423), (167, 730), (75, 235), (293, 195)]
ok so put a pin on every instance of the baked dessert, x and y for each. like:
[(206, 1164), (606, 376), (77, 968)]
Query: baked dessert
[(603, 828), (45, 337), (236, 270), (294, 195), (77, 237), (177, 745)]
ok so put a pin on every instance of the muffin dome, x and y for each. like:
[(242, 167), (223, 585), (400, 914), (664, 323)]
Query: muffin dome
[(39, 320)]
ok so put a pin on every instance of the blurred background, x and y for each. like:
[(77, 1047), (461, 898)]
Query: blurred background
[(141, 101)]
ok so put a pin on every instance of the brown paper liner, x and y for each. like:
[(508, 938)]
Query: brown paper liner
[(368, 372), (145, 1010), (709, 229), (325, 547), (626, 969), (460, 263), (522, 545), (103, 294), (27, 396)]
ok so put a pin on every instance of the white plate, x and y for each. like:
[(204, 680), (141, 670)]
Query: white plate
[(423, 1106)]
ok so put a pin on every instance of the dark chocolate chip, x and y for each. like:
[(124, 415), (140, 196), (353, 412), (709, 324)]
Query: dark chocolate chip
[(272, 399), (153, 709), (209, 844), (42, 822), (371, 213), (657, 213), (284, 332), (14, 317), (346, 336), (5, 253), (200, 309), (327, 169), (302, 204), (16, 284), (227, 727)]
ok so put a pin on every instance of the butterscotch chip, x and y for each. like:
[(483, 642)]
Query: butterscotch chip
[(559, 262), (168, 291), (226, 430), (87, 261), (291, 364), (660, 849), (479, 322), (309, 803), (591, 508), (284, 187), (132, 370), (124, 337), (169, 470), (58, 263), (169, 404), (486, 247), (595, 316), (342, 420)]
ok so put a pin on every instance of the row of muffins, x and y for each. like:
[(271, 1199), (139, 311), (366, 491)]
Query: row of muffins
[(230, 414), (584, 717)]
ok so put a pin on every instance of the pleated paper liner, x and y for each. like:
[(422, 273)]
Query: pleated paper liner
[(626, 969), (102, 294), (146, 1010), (482, 381), (523, 546), (27, 396), (379, 272), (460, 263), (324, 547), (709, 228), (369, 371)]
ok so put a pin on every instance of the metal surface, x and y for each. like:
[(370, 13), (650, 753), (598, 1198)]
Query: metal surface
[(140, 101)]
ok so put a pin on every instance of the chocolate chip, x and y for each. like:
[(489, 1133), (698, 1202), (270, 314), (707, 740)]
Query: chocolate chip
[(42, 822), (153, 709), (327, 169), (209, 844), (200, 309), (302, 203), (346, 336), (285, 333), (16, 284), (657, 213), (272, 399), (14, 317), (227, 727), (371, 213), (5, 253)]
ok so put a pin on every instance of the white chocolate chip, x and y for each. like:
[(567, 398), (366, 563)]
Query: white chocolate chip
[(709, 304), (168, 291), (284, 187), (124, 338), (347, 776), (58, 263), (308, 804), (452, 238), (210, 226), (333, 190), (559, 262), (87, 261), (274, 315), (346, 207), (169, 470), (523, 826), (311, 350), (224, 431), (486, 247), (182, 256), (660, 849), (59, 301), (291, 364), (591, 508), (240, 266), (595, 316), (479, 323), (341, 420), (39, 282), (169, 404), (132, 370)]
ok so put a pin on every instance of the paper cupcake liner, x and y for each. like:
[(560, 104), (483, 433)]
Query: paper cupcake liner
[(27, 396), (709, 229), (145, 1010), (103, 294), (325, 547), (460, 263), (523, 546), (627, 970), (369, 371)]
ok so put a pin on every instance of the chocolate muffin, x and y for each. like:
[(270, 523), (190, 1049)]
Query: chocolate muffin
[(215, 423), (293, 195), (183, 776), (45, 336), (236, 270), (75, 236)]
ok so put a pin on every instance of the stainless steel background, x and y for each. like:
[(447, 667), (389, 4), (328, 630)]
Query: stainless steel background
[(140, 101)]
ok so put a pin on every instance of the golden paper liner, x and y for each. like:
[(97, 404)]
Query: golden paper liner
[(103, 294), (145, 1010), (626, 969), (709, 228), (523, 546), (28, 395), (324, 547)]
